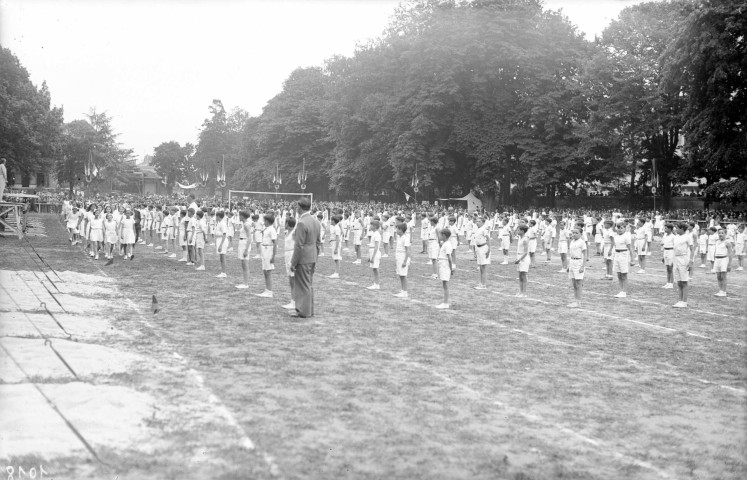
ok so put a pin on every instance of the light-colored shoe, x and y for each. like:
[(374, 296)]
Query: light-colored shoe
[(334, 275), (201, 267), (149, 245), (504, 262), (739, 269), (480, 287), (401, 294), (221, 275), (173, 255), (641, 271), (321, 255), (572, 305), (712, 271), (265, 294), (385, 256), (680, 305), (189, 264), (434, 276), (182, 260), (375, 286), (290, 306), (702, 265), (621, 295), (230, 249), (242, 286), (357, 262), (562, 270), (96, 257), (160, 247), (442, 306), (720, 294), (257, 257), (668, 286)]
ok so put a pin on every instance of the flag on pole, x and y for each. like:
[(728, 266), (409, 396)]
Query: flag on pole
[(407, 197)]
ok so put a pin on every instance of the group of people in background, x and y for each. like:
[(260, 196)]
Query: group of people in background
[(252, 230)]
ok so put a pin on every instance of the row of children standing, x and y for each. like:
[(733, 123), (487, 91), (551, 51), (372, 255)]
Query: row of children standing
[(191, 229)]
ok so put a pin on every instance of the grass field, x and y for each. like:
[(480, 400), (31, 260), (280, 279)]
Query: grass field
[(496, 387)]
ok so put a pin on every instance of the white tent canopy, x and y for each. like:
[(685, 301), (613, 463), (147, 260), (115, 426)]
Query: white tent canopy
[(473, 203)]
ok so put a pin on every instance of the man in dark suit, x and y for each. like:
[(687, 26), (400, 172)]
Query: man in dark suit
[(308, 243)]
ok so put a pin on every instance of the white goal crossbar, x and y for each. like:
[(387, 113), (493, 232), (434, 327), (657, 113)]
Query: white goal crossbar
[(237, 195)]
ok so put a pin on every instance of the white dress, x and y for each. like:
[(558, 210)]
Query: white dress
[(97, 230), (128, 230), (111, 231)]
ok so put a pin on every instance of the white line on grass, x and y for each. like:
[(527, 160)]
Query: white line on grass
[(630, 320), (687, 332), (634, 362), (601, 446)]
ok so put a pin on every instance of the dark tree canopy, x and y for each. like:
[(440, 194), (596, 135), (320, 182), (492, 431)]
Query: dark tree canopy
[(30, 129), (707, 66)]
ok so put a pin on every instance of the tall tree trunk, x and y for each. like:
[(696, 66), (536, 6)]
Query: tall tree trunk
[(506, 189), (631, 191), (551, 196), (666, 191)]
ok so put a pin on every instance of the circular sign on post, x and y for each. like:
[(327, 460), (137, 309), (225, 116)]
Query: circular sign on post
[(653, 189), (415, 189)]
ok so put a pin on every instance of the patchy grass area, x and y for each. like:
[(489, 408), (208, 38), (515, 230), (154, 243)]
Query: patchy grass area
[(497, 387)]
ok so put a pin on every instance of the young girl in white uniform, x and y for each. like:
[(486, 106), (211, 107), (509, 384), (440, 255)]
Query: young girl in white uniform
[(127, 233), (289, 244), (445, 267), (402, 249), (576, 265), (374, 255), (96, 232), (563, 241), (110, 236), (335, 240)]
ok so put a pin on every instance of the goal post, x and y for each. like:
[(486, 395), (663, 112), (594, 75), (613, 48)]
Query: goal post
[(238, 196)]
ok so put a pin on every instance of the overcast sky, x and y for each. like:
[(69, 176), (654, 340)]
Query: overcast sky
[(156, 66)]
